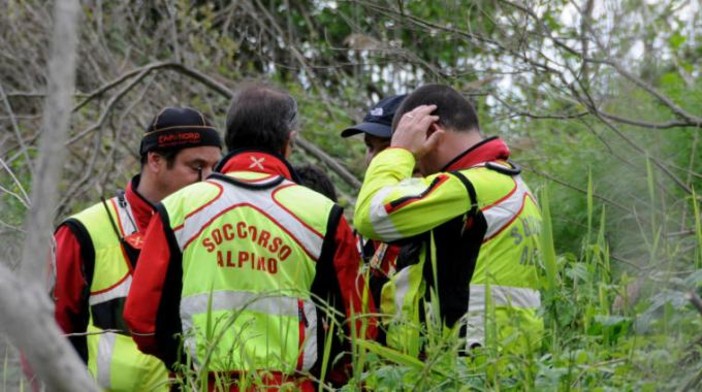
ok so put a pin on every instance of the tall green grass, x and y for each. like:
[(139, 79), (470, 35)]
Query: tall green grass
[(608, 328)]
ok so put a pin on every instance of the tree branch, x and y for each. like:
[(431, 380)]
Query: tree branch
[(29, 323)]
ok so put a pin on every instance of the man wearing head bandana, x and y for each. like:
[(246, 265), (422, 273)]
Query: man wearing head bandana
[(97, 250)]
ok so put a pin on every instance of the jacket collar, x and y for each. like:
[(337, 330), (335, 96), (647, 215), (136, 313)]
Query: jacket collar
[(256, 161), (141, 208), (490, 149)]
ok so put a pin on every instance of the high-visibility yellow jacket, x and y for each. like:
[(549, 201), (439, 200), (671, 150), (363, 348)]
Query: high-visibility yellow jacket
[(113, 357), (237, 263), (480, 223)]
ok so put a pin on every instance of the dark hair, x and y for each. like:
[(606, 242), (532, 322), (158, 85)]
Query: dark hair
[(168, 155), (260, 117), (455, 112), (316, 179)]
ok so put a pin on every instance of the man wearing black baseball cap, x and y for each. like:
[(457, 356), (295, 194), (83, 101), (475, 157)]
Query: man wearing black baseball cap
[(376, 130), (376, 126), (97, 249)]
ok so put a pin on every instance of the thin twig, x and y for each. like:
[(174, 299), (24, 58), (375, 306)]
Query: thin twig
[(15, 127), (695, 300), (24, 198)]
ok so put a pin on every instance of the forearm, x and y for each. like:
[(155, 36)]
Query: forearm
[(392, 205)]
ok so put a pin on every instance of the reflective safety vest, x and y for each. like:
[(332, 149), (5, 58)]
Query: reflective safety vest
[(249, 244), (496, 242), (113, 357)]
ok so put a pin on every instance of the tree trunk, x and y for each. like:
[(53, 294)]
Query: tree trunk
[(29, 323), (54, 130), (26, 312)]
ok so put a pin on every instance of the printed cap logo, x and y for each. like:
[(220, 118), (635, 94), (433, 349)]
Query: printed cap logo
[(377, 112)]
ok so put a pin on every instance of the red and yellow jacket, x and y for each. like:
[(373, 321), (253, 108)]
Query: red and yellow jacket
[(473, 235), (251, 248)]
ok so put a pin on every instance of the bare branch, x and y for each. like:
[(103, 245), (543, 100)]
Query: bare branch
[(15, 128), (694, 299), (581, 190), (680, 112), (223, 90), (28, 321), (329, 161), (24, 198), (55, 124), (646, 124)]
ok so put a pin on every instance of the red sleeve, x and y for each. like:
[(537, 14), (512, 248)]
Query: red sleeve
[(144, 299), (70, 289), (352, 284)]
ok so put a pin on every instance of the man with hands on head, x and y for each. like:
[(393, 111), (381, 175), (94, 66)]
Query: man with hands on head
[(475, 219)]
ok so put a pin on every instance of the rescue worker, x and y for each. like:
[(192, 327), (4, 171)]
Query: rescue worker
[(248, 267), (313, 177), (376, 130), (476, 220), (97, 249)]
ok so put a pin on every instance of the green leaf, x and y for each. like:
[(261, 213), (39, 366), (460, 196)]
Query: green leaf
[(676, 40)]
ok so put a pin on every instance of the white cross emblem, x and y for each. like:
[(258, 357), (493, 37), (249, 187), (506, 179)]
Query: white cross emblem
[(255, 162)]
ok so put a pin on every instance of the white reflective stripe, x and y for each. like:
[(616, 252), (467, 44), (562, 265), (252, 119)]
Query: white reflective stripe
[(401, 288), (190, 344), (119, 291), (475, 329), (516, 297), (272, 304), (125, 217), (499, 215), (264, 201), (106, 348), (382, 225), (309, 357)]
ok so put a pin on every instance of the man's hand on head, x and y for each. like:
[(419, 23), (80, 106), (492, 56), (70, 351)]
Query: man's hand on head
[(415, 133)]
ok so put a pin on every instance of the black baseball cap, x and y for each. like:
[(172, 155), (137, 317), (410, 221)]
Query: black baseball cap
[(378, 121)]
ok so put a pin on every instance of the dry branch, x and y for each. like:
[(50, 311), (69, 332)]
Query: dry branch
[(695, 300), (213, 84), (29, 323), (27, 316)]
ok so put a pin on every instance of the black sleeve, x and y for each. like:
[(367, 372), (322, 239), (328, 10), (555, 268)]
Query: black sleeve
[(80, 343), (327, 294), (168, 325)]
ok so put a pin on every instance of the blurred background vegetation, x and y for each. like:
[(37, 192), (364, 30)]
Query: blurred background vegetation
[(598, 99)]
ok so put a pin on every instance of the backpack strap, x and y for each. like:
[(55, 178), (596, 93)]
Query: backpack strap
[(473, 211)]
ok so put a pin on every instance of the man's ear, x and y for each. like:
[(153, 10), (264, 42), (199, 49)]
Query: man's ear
[(289, 144), (154, 161), (432, 128)]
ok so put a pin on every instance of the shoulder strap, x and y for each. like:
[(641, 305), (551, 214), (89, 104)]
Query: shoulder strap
[(471, 192), (87, 250), (130, 251)]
